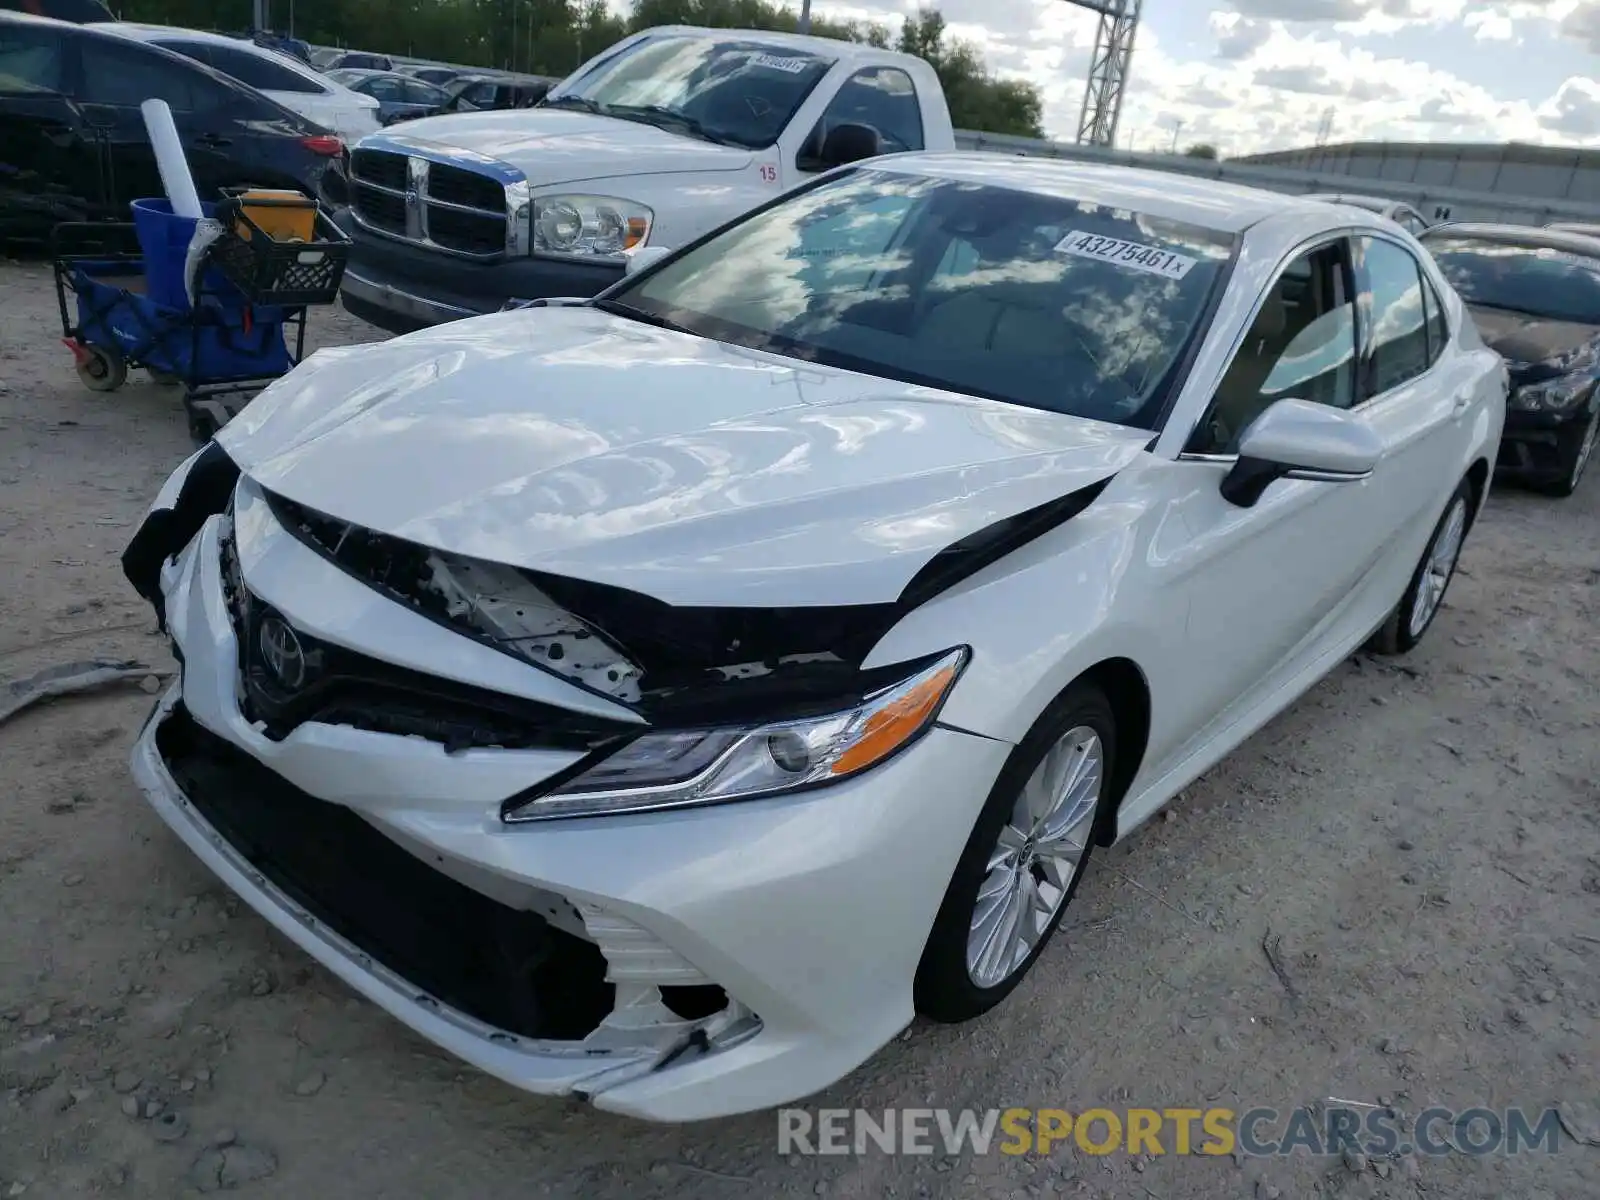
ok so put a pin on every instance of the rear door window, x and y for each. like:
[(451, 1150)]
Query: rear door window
[(128, 75), (261, 73), (31, 60), (1392, 307)]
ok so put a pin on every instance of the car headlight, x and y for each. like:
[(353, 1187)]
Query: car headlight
[(588, 226), (1554, 395), (684, 768)]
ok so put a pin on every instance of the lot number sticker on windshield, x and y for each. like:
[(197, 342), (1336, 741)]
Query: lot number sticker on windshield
[(791, 66), (1135, 256)]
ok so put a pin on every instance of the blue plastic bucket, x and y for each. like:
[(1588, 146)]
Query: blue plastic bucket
[(164, 240)]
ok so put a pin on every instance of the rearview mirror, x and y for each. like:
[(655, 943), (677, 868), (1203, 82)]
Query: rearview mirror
[(644, 257), (1296, 439)]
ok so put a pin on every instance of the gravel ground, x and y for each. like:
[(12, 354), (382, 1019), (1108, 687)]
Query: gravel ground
[(1422, 837)]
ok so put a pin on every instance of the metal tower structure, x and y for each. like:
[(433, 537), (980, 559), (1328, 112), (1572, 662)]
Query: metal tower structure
[(1108, 69)]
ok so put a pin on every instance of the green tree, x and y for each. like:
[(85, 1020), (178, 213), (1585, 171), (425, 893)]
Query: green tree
[(1201, 150), (977, 99)]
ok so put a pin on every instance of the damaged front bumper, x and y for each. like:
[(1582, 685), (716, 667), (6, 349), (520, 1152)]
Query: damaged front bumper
[(677, 965)]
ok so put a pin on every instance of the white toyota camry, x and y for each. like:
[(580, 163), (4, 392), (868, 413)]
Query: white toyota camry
[(663, 698)]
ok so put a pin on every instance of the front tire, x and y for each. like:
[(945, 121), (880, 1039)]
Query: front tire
[(1425, 595), (1023, 860), (1577, 448)]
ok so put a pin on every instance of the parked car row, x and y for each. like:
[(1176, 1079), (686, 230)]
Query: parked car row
[(73, 143)]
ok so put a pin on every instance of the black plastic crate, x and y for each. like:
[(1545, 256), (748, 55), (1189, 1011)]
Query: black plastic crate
[(280, 273)]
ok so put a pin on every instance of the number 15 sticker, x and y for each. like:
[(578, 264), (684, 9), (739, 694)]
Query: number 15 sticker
[(769, 173)]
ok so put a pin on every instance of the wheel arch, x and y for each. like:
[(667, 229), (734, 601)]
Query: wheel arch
[(1126, 687), (1478, 481)]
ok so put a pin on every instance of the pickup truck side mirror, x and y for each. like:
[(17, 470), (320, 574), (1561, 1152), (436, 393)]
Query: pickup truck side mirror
[(1296, 439), (846, 142)]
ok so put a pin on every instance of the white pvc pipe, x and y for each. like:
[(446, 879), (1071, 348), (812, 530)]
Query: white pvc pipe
[(174, 167)]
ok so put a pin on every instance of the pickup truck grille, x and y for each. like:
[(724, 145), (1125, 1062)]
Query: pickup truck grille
[(452, 185), (440, 205), (381, 168)]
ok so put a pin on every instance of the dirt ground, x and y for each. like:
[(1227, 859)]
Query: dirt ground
[(1424, 838)]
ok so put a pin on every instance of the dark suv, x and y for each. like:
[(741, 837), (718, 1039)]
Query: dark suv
[(73, 144)]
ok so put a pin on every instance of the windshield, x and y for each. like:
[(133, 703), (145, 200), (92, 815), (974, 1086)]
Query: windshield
[(1035, 300), (1543, 282), (718, 88)]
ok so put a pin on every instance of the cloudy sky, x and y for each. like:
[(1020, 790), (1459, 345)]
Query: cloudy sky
[(1260, 74)]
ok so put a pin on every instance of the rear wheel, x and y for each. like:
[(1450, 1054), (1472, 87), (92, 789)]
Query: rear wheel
[(1023, 860), (1576, 449), (1423, 598)]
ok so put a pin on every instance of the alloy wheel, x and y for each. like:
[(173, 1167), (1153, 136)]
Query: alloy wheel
[(1039, 853), (1437, 567)]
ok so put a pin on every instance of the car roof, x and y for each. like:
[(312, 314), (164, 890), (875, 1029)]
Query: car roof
[(139, 31), (830, 47), (1370, 203), (1226, 207), (1517, 235)]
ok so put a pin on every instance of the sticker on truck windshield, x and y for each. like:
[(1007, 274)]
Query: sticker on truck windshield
[(791, 66), (1135, 256)]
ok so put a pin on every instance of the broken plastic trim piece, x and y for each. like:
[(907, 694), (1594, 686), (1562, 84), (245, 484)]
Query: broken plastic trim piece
[(496, 604), (205, 491)]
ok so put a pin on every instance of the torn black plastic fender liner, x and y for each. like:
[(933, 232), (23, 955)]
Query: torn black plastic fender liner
[(166, 531)]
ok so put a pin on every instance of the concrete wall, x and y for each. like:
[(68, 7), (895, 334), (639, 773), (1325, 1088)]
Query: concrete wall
[(1441, 182), (1545, 172)]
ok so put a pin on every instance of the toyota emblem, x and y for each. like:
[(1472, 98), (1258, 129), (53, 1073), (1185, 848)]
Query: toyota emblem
[(282, 653)]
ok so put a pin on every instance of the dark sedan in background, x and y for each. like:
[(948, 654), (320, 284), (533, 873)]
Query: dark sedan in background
[(400, 97), (1535, 296), (482, 93), (73, 144)]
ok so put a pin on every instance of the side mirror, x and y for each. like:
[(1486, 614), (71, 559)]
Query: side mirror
[(1296, 439), (848, 143), (643, 257)]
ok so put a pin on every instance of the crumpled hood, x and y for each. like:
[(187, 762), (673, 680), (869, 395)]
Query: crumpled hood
[(570, 441), (560, 146), (1527, 341)]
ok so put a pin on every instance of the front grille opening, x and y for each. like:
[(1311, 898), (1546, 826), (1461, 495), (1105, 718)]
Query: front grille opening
[(380, 208), (380, 167), (456, 186), (508, 968), (470, 233)]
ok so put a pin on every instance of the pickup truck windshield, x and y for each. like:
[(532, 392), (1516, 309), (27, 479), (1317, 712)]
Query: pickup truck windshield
[(1031, 299), (722, 90), (1540, 281)]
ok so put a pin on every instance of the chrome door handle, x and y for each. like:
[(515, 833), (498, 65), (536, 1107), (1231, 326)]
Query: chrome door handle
[(1463, 401)]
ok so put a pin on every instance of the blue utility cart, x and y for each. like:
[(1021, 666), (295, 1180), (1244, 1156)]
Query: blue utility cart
[(130, 308)]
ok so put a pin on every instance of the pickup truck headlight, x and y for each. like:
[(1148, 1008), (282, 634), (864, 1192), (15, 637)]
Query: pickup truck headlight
[(684, 768), (1554, 395), (588, 226)]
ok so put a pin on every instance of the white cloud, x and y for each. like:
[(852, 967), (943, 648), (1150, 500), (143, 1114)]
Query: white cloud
[(1277, 66), (1574, 111), (1491, 26)]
